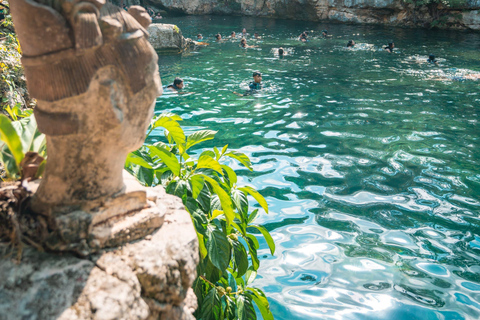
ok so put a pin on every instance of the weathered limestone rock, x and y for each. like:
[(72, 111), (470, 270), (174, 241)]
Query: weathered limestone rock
[(390, 12), (166, 38), (472, 19), (147, 279)]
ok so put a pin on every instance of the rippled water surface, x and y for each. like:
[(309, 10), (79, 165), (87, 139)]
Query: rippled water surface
[(369, 162)]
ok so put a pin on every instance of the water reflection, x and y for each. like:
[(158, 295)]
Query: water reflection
[(369, 165)]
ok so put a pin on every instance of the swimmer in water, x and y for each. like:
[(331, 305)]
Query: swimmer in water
[(431, 59), (243, 44), (281, 53), (350, 44), (257, 36), (390, 47), (325, 34), (199, 37), (244, 32), (303, 37), (254, 86), (176, 85), (233, 35), (218, 37)]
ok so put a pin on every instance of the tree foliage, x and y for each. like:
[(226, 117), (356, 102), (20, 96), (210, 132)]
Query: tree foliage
[(220, 212)]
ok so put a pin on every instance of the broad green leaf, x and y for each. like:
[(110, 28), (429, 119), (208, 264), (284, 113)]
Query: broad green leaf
[(197, 183), (267, 236), (240, 257), (199, 136), (32, 139), (261, 301), (199, 221), (217, 153), (201, 246), (253, 240), (174, 131), (218, 248), (242, 158), (241, 202), (223, 197), (212, 306), (208, 162), (178, 188), (215, 203), (207, 153), (224, 149), (167, 157), (239, 228), (250, 275), (257, 196), (134, 159), (246, 310), (230, 174), (229, 308), (11, 139), (216, 213), (252, 216), (170, 115), (252, 250)]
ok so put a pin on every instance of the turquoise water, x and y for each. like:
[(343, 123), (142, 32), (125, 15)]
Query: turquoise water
[(369, 162)]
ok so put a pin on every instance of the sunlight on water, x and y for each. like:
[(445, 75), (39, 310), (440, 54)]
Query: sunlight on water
[(369, 161)]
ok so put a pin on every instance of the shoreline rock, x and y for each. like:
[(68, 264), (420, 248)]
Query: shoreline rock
[(145, 279), (383, 12)]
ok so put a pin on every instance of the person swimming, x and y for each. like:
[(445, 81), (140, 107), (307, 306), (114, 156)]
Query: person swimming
[(243, 44), (256, 36), (303, 37), (244, 32), (256, 84), (218, 37), (233, 35), (281, 52), (325, 34), (176, 85), (390, 47), (350, 44), (199, 37), (431, 59)]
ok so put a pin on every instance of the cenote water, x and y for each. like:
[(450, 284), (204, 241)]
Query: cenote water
[(369, 161)]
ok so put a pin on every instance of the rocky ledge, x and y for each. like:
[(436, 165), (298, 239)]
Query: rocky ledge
[(146, 279)]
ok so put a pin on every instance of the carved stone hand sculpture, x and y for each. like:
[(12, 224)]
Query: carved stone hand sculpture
[(95, 77)]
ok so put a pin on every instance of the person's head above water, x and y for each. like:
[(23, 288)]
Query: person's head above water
[(244, 31), (257, 77), (431, 57), (350, 43), (199, 36), (281, 52), (391, 44), (233, 34), (324, 33), (243, 42), (256, 35), (178, 83), (218, 36)]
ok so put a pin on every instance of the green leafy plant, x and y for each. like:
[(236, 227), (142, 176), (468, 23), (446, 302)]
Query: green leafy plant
[(23, 148), (220, 212)]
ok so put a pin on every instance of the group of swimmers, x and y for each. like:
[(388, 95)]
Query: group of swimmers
[(256, 84)]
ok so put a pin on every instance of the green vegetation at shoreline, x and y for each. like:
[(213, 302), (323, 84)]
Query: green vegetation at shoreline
[(221, 214)]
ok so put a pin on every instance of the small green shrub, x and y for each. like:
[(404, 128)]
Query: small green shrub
[(22, 148), (220, 212)]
